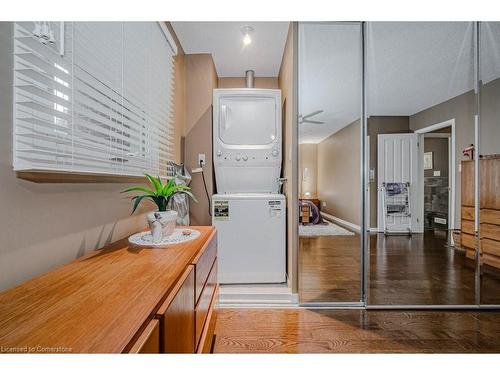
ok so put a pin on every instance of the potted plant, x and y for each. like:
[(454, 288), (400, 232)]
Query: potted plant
[(161, 222)]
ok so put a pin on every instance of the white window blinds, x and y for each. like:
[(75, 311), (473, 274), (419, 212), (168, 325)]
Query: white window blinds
[(93, 97)]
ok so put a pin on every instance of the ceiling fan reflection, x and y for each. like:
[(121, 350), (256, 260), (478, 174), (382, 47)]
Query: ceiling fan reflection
[(307, 118)]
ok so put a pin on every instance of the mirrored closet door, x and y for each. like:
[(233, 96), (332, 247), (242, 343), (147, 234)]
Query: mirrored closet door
[(489, 163), (330, 187), (421, 111)]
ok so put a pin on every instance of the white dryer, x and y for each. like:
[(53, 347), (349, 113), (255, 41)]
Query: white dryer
[(247, 140)]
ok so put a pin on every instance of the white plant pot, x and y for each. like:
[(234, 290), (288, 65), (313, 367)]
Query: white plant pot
[(162, 224)]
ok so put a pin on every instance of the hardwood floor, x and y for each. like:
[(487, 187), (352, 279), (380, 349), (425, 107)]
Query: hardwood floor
[(329, 269), (417, 270), (356, 331)]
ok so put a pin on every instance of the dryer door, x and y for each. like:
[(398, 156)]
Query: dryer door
[(247, 120)]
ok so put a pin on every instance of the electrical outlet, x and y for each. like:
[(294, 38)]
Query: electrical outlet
[(201, 159), (323, 204)]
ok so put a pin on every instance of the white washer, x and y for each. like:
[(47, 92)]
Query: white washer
[(251, 237)]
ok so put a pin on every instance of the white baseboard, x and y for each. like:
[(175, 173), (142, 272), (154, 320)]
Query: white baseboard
[(257, 296), (337, 220)]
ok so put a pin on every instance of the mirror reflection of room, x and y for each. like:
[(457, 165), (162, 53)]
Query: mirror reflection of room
[(489, 163), (423, 113), (329, 162), (421, 108)]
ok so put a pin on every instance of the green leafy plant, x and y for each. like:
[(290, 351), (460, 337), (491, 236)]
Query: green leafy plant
[(159, 193)]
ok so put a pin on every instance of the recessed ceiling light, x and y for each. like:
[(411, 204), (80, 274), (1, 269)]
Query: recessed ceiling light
[(247, 31)]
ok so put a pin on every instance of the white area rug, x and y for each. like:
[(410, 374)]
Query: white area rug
[(323, 230)]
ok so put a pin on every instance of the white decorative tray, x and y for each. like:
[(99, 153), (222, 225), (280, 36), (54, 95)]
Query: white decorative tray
[(179, 236)]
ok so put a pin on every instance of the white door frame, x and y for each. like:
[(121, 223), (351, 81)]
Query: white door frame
[(451, 161)]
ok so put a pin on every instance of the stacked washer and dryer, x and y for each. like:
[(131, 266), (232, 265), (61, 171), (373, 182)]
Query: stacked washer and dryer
[(248, 211)]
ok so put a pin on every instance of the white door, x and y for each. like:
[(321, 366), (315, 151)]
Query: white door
[(398, 161)]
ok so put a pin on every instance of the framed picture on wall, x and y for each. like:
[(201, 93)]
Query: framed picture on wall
[(428, 160)]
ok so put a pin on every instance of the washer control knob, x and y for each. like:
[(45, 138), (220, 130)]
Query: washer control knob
[(245, 158), (238, 157), (219, 153), (275, 152)]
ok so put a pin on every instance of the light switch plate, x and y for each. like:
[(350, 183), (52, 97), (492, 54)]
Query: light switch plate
[(372, 175), (440, 220)]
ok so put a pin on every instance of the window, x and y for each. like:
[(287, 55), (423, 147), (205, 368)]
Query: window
[(93, 97)]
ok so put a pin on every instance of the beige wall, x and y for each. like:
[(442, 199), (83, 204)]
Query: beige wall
[(490, 118), (439, 149), (308, 158), (460, 108), (201, 79), (239, 82), (339, 176), (45, 225), (287, 85)]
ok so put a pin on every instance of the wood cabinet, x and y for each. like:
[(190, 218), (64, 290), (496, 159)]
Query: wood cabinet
[(489, 214), (149, 340), (177, 316), (305, 214), (203, 265), (305, 211), (204, 302), (120, 299)]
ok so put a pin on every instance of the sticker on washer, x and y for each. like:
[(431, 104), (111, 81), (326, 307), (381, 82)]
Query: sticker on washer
[(274, 208), (221, 210)]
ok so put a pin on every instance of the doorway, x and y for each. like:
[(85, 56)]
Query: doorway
[(437, 175)]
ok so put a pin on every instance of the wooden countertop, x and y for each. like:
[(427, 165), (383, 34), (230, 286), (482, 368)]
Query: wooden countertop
[(96, 303)]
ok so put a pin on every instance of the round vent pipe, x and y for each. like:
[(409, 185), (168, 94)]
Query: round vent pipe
[(250, 79)]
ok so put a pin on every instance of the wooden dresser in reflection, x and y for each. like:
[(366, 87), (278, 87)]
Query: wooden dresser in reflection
[(489, 209)]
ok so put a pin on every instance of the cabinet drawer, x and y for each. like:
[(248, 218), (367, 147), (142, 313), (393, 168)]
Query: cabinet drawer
[(207, 336), (468, 241), (176, 315), (468, 227), (490, 216), (490, 247), (490, 231), (468, 213), (491, 260), (203, 264), (149, 340), (203, 305)]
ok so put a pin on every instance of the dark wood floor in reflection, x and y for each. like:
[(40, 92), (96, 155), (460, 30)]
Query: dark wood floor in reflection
[(416, 270), (329, 269), (356, 331)]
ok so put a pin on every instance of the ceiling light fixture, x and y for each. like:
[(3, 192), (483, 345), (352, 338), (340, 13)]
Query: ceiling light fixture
[(247, 31)]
